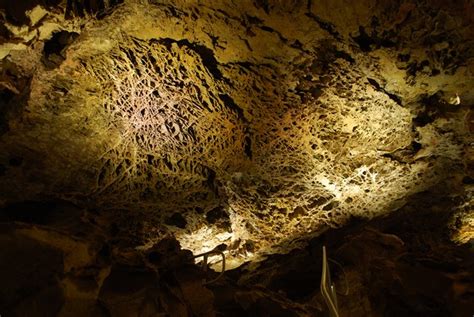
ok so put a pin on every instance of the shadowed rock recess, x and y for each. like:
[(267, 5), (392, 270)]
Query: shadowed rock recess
[(135, 134)]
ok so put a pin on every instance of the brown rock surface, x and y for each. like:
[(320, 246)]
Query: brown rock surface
[(261, 126)]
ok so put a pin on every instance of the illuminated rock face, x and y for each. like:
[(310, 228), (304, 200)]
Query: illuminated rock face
[(256, 125)]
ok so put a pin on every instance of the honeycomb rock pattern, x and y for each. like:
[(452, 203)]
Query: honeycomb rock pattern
[(174, 131), (183, 125)]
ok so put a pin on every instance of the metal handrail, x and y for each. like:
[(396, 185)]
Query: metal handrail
[(205, 256), (328, 290)]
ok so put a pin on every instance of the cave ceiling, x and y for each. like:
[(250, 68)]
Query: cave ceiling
[(254, 124)]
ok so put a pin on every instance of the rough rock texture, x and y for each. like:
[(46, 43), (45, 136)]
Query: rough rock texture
[(401, 265), (255, 124), (389, 267)]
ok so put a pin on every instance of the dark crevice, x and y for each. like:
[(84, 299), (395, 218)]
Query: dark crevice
[(415, 67), (53, 52), (364, 40), (344, 55), (247, 44), (227, 15), (416, 146), (80, 8), (468, 180), (423, 118), (176, 220), (5, 33), (6, 96), (267, 29), (245, 65), (296, 44), (404, 57), (12, 102), (272, 30), (253, 19), (264, 4), (394, 157), (211, 180), (326, 26), (168, 164), (327, 54), (173, 12), (230, 103), (404, 155), (206, 54), (219, 217), (377, 87), (432, 108), (150, 159), (368, 42), (214, 215), (248, 146)]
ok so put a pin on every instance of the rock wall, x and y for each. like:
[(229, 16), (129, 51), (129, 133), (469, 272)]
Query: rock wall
[(257, 124)]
